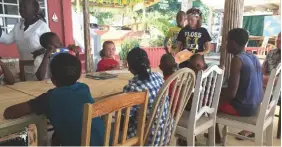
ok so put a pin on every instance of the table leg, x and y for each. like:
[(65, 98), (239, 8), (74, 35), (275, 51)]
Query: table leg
[(42, 132)]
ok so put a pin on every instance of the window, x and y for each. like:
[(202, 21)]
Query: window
[(9, 13)]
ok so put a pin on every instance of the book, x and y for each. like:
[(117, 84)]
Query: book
[(101, 76)]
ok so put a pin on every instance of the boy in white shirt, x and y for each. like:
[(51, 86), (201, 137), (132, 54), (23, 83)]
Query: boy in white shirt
[(52, 46), (50, 42)]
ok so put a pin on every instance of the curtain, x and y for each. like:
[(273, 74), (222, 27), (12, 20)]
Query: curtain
[(255, 26)]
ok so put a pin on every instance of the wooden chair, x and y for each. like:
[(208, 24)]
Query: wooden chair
[(263, 121), (184, 82), (116, 104), (204, 107)]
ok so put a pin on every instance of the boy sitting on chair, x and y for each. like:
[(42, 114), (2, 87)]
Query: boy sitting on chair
[(244, 93), (63, 105)]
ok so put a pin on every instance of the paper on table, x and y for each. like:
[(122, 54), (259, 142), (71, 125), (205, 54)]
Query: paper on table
[(118, 72), (49, 81)]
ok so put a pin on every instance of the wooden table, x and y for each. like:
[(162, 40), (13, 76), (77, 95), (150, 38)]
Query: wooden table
[(9, 97), (24, 91), (98, 88)]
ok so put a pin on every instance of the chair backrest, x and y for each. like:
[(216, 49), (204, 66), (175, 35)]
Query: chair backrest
[(263, 48), (116, 104), (180, 85), (271, 96), (206, 95)]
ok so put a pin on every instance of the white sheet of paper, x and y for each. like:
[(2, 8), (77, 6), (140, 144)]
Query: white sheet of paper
[(118, 72)]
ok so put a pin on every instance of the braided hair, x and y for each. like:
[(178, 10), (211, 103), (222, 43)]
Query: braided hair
[(138, 61)]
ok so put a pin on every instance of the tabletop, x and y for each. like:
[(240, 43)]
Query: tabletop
[(98, 88), (9, 97)]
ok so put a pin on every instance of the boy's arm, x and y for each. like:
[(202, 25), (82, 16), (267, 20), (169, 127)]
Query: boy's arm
[(233, 82), (39, 105), (17, 111), (8, 76), (207, 47), (42, 69)]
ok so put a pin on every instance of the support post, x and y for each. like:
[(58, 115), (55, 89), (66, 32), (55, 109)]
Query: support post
[(233, 18), (78, 6), (89, 61)]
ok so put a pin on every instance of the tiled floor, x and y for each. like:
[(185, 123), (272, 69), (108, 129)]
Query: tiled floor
[(231, 141)]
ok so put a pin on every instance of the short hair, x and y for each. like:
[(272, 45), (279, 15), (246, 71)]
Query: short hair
[(169, 61), (102, 52), (45, 39), (179, 16), (65, 69), (239, 36), (138, 60)]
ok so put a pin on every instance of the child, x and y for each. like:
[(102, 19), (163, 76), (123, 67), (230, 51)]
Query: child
[(51, 44), (173, 33), (244, 93), (196, 63), (168, 67), (5, 75), (144, 79), (193, 37), (108, 61), (63, 105)]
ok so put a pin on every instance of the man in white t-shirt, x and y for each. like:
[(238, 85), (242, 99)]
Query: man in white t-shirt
[(6, 75)]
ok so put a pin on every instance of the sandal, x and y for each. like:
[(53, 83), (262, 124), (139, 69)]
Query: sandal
[(242, 133)]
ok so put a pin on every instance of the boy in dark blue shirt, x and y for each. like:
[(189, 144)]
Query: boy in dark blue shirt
[(63, 105)]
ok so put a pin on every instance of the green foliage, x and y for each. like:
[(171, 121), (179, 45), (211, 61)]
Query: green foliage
[(159, 21), (126, 46), (157, 42), (104, 18), (166, 7), (204, 9)]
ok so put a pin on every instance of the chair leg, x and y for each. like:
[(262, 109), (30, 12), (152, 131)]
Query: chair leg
[(224, 135), (269, 135), (279, 124), (191, 140), (211, 138), (259, 138)]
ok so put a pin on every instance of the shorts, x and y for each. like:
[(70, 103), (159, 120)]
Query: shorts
[(228, 109)]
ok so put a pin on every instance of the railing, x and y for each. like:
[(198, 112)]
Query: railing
[(154, 54)]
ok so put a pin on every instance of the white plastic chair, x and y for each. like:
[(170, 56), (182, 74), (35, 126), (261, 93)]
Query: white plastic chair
[(184, 82), (263, 121), (263, 48), (204, 107)]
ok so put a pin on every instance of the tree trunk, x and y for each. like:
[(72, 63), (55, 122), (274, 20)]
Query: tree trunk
[(88, 56), (233, 18)]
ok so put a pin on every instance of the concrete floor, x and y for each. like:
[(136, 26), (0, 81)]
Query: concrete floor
[(201, 140)]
